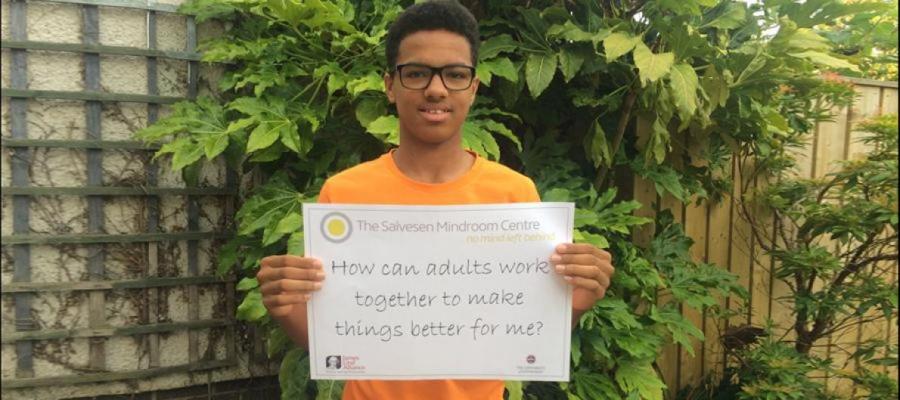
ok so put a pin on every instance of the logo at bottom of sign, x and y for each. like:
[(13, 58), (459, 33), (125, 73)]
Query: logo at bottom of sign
[(343, 363), (530, 368)]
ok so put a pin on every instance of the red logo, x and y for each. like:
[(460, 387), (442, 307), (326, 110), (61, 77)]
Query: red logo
[(530, 359)]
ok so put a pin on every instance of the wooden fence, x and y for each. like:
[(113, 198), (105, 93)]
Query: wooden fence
[(721, 237)]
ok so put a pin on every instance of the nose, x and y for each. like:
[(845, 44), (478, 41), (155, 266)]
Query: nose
[(436, 88)]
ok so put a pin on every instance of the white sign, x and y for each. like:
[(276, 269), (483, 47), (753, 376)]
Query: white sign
[(439, 292)]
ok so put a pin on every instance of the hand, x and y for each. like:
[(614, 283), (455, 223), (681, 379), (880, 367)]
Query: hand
[(585, 267), (286, 281)]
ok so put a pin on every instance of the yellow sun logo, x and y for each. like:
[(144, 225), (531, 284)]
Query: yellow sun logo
[(336, 227)]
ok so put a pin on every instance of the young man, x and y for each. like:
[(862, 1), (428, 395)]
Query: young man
[(431, 52)]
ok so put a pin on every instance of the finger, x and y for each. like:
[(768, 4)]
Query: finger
[(284, 300), (583, 283), (582, 271), (285, 286), (607, 269), (583, 248), (582, 259), (286, 260), (603, 280), (291, 273)]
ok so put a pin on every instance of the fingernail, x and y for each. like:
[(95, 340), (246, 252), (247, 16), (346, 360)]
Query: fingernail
[(567, 278), (320, 275), (561, 247), (555, 258), (560, 268), (307, 297), (317, 286)]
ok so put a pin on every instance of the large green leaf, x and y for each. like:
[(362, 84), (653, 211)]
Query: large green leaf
[(733, 16), (251, 308), (369, 109), (571, 32), (386, 128), (371, 81), (637, 375), (807, 39), (500, 66), (290, 223), (184, 153), (496, 45), (293, 375), (651, 66), (514, 388), (500, 129), (681, 328), (825, 59), (315, 14), (658, 146), (618, 44), (715, 87), (684, 83), (570, 62), (264, 135), (599, 150), (295, 244), (592, 385), (329, 390), (478, 139), (539, 71), (246, 284)]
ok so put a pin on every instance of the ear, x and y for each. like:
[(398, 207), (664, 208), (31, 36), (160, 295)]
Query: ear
[(389, 87), (474, 90)]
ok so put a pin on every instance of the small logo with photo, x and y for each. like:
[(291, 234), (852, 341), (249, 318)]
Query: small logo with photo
[(530, 359), (333, 363)]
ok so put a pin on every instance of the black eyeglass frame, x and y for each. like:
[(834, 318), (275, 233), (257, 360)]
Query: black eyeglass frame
[(439, 71)]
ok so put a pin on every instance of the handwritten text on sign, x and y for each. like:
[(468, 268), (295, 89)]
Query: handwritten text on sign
[(439, 292)]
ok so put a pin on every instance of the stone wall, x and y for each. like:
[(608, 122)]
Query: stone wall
[(55, 215)]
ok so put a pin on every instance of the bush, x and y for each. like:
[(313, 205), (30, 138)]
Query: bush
[(564, 84)]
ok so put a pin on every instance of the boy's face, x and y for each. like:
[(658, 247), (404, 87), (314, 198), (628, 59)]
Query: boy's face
[(433, 115)]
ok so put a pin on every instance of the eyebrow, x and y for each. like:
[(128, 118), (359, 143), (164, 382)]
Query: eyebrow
[(435, 66)]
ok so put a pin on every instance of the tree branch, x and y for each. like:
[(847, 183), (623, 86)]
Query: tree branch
[(624, 118)]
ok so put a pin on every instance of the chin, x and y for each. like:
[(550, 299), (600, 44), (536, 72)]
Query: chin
[(434, 135)]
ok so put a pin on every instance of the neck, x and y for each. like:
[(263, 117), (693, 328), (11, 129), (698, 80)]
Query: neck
[(433, 163)]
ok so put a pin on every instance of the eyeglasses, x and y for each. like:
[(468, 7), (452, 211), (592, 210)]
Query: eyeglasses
[(418, 76)]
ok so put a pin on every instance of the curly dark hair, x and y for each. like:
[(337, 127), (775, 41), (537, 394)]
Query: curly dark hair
[(432, 15)]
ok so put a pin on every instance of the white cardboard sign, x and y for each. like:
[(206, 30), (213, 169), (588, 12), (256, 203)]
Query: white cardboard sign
[(439, 292)]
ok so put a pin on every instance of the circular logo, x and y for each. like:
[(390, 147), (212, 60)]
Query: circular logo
[(336, 227), (530, 359)]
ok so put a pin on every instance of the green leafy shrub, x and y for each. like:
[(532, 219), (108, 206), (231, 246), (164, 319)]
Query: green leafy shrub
[(565, 85)]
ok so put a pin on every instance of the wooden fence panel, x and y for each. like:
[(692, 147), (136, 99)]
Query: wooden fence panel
[(669, 361), (695, 225), (723, 238), (718, 253)]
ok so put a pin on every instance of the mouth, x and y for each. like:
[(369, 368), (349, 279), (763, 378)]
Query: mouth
[(435, 113)]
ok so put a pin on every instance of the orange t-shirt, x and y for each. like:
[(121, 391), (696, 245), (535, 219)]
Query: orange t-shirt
[(381, 182)]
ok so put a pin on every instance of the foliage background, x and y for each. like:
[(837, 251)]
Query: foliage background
[(565, 87)]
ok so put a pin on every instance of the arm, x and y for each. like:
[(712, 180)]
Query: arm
[(295, 325)]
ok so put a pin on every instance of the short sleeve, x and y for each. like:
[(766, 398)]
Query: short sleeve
[(325, 194), (527, 192), (533, 195)]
